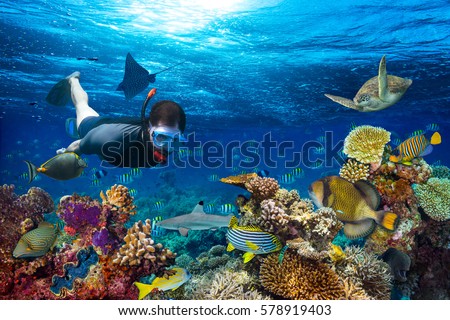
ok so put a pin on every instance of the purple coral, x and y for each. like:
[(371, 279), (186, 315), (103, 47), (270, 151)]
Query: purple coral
[(105, 240), (78, 215)]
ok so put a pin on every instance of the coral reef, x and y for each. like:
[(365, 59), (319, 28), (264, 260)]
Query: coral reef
[(239, 180), (262, 188), (299, 278), (272, 218), (366, 144), (434, 198), (353, 171), (442, 172)]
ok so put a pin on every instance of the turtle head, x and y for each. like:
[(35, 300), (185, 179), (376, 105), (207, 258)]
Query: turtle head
[(364, 100)]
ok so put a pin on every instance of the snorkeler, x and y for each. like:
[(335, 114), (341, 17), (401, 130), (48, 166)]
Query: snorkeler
[(122, 142)]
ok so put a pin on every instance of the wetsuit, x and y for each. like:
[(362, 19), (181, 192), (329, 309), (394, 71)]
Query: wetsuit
[(118, 141)]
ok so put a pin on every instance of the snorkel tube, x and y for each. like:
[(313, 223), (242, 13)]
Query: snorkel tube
[(157, 155)]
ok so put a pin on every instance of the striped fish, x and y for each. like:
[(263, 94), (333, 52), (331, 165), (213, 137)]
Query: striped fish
[(95, 183), (133, 192), (158, 205), (213, 178), (287, 178), (432, 127), (250, 239), (227, 208), (135, 172), (36, 242), (209, 208), (416, 146), (298, 172), (124, 178), (156, 230)]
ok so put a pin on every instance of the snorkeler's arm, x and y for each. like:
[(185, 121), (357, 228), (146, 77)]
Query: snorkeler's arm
[(73, 147)]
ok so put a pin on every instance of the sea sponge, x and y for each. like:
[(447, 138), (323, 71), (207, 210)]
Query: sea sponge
[(262, 188), (140, 247), (434, 198), (273, 218), (299, 278), (353, 171), (366, 144)]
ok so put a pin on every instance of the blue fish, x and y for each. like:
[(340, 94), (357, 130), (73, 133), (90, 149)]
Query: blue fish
[(227, 208), (263, 173), (209, 208), (133, 192), (156, 230), (298, 172), (137, 78), (95, 183), (158, 205), (124, 178), (135, 172), (287, 178), (213, 177), (99, 174)]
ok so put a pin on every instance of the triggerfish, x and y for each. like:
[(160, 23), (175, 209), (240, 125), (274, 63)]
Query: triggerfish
[(355, 204), (37, 242), (251, 239), (63, 166), (416, 146), (163, 284)]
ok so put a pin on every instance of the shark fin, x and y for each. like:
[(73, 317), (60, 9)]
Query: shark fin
[(199, 208), (183, 231)]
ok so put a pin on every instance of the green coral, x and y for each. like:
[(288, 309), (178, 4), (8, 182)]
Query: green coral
[(434, 198)]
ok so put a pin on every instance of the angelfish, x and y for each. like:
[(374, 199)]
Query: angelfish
[(37, 242), (64, 166)]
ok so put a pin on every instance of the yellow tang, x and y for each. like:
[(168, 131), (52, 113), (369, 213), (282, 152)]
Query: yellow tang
[(163, 284), (355, 204)]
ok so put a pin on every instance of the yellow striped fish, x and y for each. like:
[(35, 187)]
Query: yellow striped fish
[(416, 146), (163, 284), (36, 242), (251, 239)]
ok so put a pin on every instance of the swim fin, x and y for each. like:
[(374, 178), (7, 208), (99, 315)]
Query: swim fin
[(71, 128), (135, 79), (59, 94)]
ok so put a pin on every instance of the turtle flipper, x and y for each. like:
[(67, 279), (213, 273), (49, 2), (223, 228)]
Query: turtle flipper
[(382, 80), (344, 101)]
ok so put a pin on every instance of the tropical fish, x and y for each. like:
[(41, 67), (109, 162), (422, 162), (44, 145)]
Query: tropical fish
[(251, 239), (63, 166), (287, 178), (158, 205), (135, 172), (209, 208), (298, 172), (263, 173), (213, 177), (99, 174), (157, 231), (175, 281), (196, 220), (416, 133), (227, 208), (281, 255), (433, 127), (95, 183), (124, 178), (399, 263), (137, 78), (355, 204), (416, 146), (24, 176), (133, 192), (36, 242)]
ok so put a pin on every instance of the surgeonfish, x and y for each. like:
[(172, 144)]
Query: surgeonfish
[(355, 204), (399, 263), (137, 78), (416, 146), (251, 239), (37, 242), (174, 282), (64, 166), (196, 220)]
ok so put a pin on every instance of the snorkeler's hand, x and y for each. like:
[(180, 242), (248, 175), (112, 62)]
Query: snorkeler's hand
[(60, 151)]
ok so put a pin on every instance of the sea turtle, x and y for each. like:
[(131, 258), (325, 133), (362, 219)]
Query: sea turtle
[(377, 93)]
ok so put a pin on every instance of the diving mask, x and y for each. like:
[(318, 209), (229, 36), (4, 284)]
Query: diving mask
[(163, 136)]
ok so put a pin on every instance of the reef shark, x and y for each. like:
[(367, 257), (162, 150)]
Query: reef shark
[(196, 220)]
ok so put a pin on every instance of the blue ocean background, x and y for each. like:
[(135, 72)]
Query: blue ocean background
[(252, 68)]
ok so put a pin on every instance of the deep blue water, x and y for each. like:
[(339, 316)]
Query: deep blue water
[(252, 68)]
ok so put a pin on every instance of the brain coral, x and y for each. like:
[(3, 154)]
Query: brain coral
[(366, 143), (434, 198), (298, 278)]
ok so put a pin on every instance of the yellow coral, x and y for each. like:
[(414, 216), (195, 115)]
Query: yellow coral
[(119, 196), (299, 278), (366, 144), (353, 171)]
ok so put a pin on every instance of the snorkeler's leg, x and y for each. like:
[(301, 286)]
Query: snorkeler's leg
[(73, 147), (80, 100)]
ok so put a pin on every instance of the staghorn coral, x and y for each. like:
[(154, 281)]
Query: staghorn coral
[(239, 180), (352, 291), (262, 188), (442, 172), (273, 218), (353, 171), (299, 278), (366, 144), (364, 270), (140, 248), (434, 198)]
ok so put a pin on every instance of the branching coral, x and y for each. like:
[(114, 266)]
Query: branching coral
[(262, 188), (434, 198), (366, 144), (273, 218), (353, 171), (299, 278), (442, 172), (364, 270)]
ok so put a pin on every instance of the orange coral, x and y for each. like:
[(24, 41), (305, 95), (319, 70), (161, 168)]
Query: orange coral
[(299, 278), (239, 180), (120, 200)]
